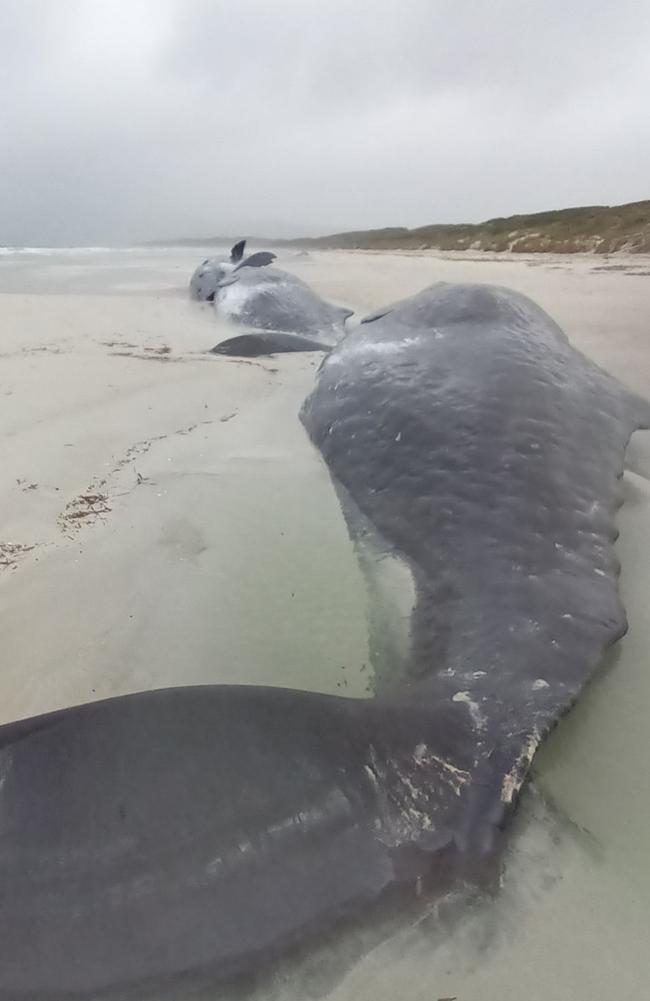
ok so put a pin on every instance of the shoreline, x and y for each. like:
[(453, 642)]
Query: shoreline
[(209, 547)]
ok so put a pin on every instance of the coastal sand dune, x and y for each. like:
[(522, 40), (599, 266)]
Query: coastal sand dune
[(165, 521)]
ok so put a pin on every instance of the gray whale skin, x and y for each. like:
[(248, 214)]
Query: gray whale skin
[(286, 313), (206, 277), (196, 832)]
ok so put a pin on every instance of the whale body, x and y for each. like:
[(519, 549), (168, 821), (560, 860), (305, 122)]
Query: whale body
[(188, 835), (291, 316)]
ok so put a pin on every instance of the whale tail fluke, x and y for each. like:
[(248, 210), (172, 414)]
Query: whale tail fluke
[(269, 342), (258, 260)]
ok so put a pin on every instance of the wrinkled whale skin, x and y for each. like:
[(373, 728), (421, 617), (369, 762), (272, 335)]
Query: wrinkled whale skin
[(199, 830), (196, 832), (486, 451)]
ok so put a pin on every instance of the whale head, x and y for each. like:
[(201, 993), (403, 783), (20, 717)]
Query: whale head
[(206, 278)]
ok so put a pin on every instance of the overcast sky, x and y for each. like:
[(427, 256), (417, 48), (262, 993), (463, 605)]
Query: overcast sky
[(123, 120)]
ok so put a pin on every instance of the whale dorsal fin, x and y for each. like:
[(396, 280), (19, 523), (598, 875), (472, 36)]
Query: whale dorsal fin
[(237, 251)]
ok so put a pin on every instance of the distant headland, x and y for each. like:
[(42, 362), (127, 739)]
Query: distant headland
[(596, 229)]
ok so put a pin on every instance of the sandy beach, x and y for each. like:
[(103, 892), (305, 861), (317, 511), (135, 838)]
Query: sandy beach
[(165, 521)]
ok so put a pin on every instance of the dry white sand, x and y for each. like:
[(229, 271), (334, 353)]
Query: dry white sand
[(184, 530)]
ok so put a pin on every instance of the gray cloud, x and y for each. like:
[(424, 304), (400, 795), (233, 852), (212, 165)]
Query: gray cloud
[(133, 119)]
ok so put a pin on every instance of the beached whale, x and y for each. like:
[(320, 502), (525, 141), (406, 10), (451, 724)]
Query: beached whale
[(290, 314), (189, 835), (206, 278), (208, 274), (486, 452)]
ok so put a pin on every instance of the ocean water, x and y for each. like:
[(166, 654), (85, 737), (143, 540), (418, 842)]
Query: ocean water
[(98, 270)]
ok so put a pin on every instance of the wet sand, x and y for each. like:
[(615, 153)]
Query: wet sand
[(166, 521)]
